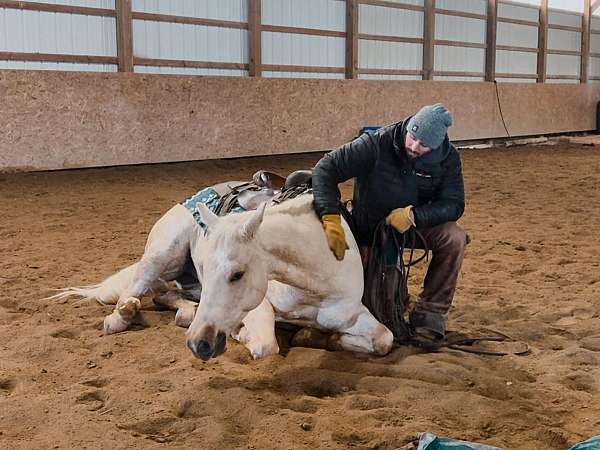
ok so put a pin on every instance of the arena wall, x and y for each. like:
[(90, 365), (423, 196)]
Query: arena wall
[(59, 120)]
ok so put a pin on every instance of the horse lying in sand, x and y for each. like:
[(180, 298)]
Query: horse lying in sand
[(295, 279)]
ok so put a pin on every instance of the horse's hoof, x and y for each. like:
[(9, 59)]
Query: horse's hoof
[(383, 342), (262, 351), (184, 317), (115, 324), (128, 308)]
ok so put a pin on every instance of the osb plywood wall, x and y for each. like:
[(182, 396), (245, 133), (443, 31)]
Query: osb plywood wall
[(56, 120)]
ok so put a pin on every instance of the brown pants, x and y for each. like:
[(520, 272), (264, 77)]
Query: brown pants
[(447, 243)]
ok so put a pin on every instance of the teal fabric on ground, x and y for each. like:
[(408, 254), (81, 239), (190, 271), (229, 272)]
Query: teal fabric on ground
[(590, 444), (210, 198), (430, 441)]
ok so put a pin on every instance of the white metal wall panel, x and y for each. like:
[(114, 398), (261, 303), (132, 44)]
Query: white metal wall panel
[(164, 40), (331, 76), (370, 76), (233, 10), (511, 34), (562, 81), (409, 2), (447, 78), (389, 55), (190, 71), (303, 50), (594, 66), (564, 18), (41, 65), (562, 65), (471, 6), (453, 28), (595, 23), (564, 40), (516, 35), (319, 14), (524, 12), (110, 4), (516, 80), (595, 43), (566, 5), (459, 59), (533, 3), (390, 21), (48, 32), (516, 62)]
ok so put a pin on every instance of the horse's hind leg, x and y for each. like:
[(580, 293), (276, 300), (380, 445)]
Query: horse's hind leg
[(366, 335), (165, 254), (148, 271)]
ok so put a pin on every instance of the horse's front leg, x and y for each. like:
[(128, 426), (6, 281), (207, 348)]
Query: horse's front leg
[(366, 335), (258, 331), (186, 309)]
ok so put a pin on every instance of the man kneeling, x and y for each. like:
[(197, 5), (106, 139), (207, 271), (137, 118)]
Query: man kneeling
[(410, 175)]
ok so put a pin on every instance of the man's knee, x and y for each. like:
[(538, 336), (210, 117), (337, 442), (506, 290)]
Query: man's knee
[(452, 237)]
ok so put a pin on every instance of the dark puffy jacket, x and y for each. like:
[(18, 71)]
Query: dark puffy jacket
[(387, 179)]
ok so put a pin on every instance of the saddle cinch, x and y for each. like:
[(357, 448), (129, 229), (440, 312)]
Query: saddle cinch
[(265, 186)]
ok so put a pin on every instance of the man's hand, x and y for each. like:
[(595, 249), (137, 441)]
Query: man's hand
[(332, 224), (401, 219)]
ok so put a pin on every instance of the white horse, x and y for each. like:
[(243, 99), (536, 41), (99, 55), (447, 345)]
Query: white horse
[(289, 255), (260, 267)]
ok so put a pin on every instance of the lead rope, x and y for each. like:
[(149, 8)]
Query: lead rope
[(463, 343)]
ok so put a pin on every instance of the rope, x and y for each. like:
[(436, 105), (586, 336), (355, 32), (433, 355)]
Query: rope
[(500, 109)]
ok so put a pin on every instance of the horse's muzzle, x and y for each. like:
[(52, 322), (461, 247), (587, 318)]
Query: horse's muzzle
[(204, 350)]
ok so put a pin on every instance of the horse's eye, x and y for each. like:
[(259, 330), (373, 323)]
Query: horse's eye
[(236, 276)]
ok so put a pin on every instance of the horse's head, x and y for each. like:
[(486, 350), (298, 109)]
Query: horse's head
[(234, 278)]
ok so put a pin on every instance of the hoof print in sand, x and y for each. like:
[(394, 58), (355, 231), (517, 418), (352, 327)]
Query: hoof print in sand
[(7, 385), (64, 333), (93, 400)]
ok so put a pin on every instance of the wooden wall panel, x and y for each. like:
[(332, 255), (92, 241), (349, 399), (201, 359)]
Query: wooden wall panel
[(55, 120), (531, 109)]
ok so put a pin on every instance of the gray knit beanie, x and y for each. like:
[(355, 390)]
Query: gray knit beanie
[(430, 125)]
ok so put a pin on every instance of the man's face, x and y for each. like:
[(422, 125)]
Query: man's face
[(414, 147)]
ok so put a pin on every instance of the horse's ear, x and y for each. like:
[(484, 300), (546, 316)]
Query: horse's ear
[(206, 215), (250, 228)]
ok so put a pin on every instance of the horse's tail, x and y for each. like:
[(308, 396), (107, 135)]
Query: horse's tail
[(106, 293)]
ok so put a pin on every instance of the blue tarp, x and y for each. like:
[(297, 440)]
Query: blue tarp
[(429, 441), (590, 444)]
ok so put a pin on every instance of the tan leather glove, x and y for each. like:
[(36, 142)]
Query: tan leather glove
[(401, 219), (332, 224)]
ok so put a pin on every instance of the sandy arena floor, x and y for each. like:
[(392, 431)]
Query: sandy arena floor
[(531, 272)]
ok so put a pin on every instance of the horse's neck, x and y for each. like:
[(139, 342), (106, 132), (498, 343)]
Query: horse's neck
[(294, 248)]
